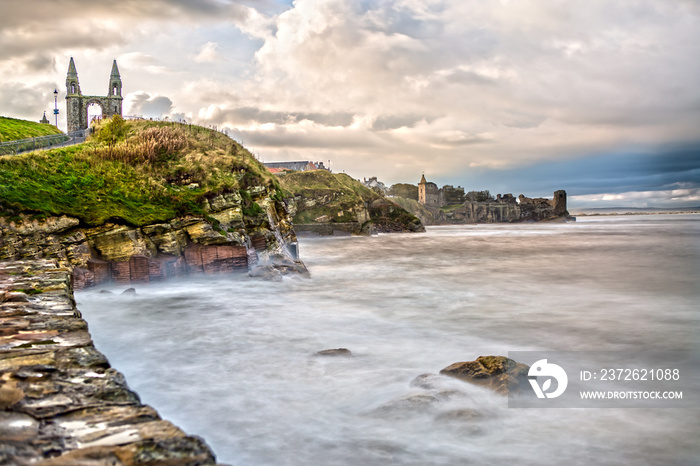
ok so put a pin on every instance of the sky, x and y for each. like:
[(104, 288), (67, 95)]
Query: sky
[(600, 98)]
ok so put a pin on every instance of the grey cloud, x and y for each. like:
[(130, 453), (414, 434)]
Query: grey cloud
[(143, 104), (247, 115), (40, 62), (469, 78), (281, 137), (388, 122), (28, 102)]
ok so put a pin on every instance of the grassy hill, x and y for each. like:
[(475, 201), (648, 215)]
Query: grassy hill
[(324, 197), (12, 129), (142, 172)]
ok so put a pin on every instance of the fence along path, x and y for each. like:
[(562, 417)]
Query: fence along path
[(43, 142)]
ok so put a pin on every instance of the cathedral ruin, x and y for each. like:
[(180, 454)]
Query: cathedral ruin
[(77, 104)]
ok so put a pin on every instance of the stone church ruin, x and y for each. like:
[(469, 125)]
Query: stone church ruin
[(77, 104)]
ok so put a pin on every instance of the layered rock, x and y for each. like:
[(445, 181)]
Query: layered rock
[(60, 401), (224, 240), (324, 203)]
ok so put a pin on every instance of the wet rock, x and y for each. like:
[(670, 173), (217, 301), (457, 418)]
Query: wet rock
[(105, 292), (17, 427), (13, 297), (60, 401), (10, 393), (265, 272), (408, 404), (428, 381), (462, 415), (130, 291), (498, 373), (335, 352)]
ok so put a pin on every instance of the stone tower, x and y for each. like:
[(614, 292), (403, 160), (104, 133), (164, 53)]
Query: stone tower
[(428, 193), (559, 202), (421, 189), (77, 103)]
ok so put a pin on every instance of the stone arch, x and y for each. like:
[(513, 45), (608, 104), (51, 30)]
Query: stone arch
[(77, 104), (93, 101)]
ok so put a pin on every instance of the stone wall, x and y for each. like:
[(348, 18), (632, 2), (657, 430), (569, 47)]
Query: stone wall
[(224, 241), (505, 209), (60, 401)]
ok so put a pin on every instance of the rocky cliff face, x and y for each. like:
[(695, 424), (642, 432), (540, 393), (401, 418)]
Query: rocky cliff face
[(143, 201), (324, 203), (224, 240)]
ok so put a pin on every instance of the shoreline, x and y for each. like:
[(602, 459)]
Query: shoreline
[(608, 214), (61, 401)]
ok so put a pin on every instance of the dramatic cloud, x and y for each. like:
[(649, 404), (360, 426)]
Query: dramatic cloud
[(587, 96), (147, 106)]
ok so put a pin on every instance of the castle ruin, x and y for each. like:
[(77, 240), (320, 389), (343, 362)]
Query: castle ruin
[(77, 104), (451, 205)]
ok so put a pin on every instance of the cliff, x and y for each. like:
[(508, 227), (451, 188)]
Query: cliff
[(502, 209), (143, 201), (60, 401), (325, 203)]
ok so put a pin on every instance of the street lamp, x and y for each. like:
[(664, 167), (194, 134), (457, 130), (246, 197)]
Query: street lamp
[(55, 105)]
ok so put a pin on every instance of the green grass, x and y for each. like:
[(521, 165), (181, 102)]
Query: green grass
[(12, 129), (141, 172)]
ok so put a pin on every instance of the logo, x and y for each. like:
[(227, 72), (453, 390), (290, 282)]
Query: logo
[(542, 369)]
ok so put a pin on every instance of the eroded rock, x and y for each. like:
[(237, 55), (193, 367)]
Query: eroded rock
[(498, 373)]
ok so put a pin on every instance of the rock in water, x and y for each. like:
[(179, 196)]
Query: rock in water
[(498, 373), (130, 291), (335, 352)]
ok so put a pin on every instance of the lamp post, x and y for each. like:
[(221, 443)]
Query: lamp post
[(55, 105)]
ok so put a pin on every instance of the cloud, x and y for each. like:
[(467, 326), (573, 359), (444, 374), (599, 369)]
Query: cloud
[(143, 104), (680, 197), (28, 101), (521, 95), (209, 53)]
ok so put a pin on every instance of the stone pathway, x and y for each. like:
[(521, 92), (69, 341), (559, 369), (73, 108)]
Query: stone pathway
[(60, 401)]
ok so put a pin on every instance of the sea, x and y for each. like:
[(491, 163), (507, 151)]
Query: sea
[(233, 359)]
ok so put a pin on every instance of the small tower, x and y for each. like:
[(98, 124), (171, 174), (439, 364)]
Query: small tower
[(115, 81), (72, 84), (45, 120), (74, 101), (421, 189), (115, 92)]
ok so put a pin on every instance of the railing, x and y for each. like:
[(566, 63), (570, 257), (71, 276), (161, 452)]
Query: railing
[(43, 142)]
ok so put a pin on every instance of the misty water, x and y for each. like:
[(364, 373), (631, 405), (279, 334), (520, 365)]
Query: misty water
[(231, 358)]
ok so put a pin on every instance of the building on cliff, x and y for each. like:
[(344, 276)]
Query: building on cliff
[(375, 185), (428, 193), (298, 166), (451, 205)]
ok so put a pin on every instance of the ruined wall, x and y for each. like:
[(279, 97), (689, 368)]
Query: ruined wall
[(506, 209)]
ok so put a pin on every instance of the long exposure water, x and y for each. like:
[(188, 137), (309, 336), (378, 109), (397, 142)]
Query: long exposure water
[(232, 358)]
